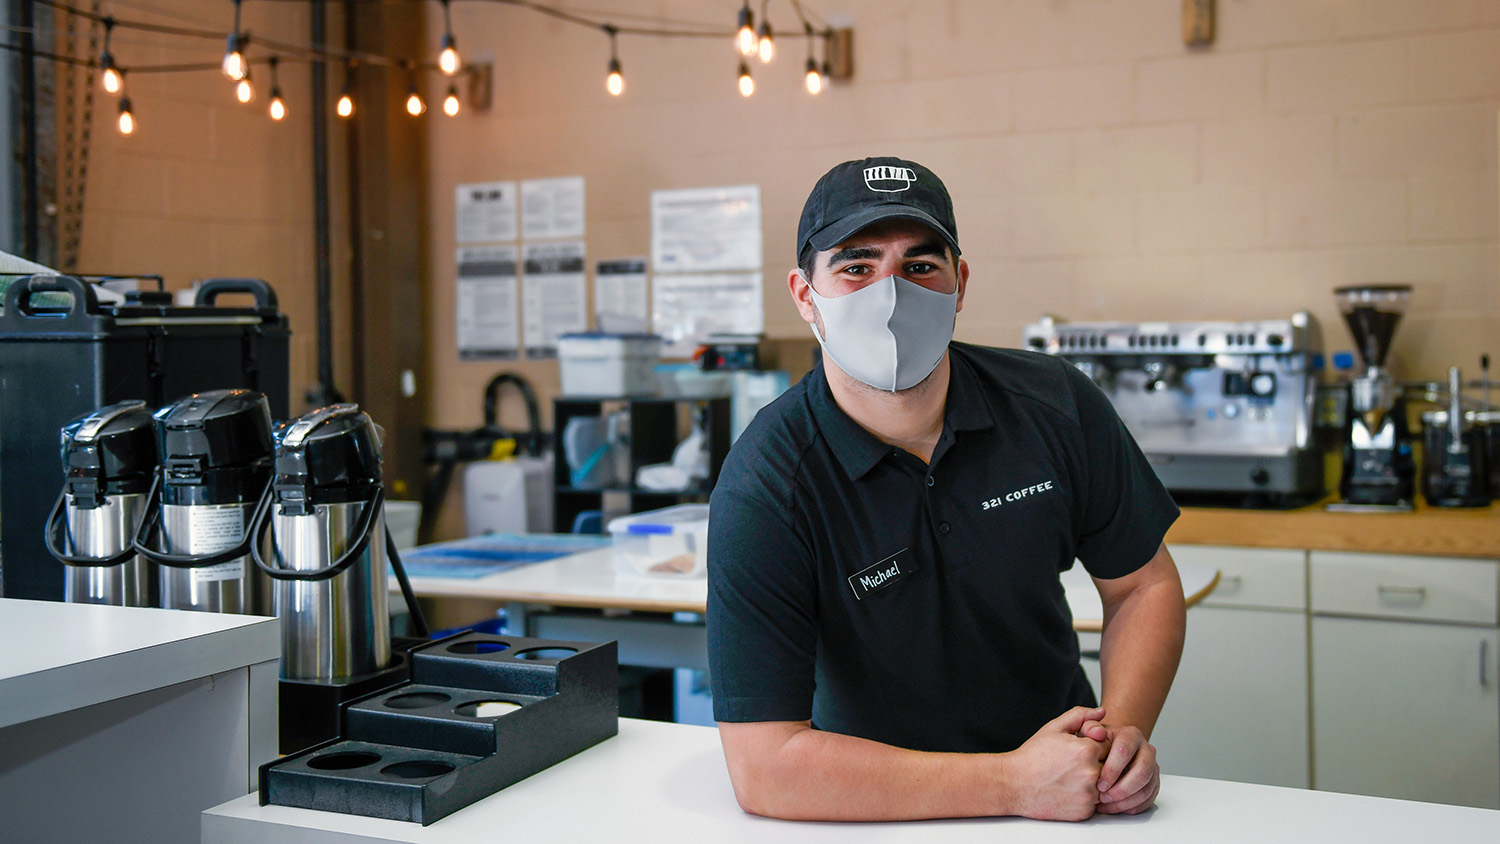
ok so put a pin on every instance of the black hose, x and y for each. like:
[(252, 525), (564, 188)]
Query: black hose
[(418, 621)]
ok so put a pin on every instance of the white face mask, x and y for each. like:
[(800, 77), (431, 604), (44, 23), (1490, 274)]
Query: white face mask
[(889, 334)]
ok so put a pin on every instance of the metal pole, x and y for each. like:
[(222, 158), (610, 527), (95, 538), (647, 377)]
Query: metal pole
[(321, 234)]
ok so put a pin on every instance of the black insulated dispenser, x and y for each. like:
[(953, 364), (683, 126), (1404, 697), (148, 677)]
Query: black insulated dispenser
[(216, 452), (109, 458)]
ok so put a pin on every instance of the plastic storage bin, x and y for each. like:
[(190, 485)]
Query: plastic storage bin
[(672, 542), (609, 364)]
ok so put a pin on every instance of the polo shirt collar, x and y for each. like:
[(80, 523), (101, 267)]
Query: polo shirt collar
[(858, 450)]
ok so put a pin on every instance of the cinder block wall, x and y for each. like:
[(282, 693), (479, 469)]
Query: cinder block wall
[(1101, 169)]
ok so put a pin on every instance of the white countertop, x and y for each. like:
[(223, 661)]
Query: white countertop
[(58, 657), (660, 781)]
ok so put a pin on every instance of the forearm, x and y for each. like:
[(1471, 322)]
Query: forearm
[(808, 774), (1140, 649)]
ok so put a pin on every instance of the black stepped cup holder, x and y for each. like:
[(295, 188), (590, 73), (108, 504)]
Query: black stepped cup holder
[(481, 712), (443, 718)]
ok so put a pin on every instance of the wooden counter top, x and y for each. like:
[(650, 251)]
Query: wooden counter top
[(1439, 531)]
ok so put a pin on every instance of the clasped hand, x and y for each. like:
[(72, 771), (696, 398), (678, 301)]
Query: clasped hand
[(1076, 765)]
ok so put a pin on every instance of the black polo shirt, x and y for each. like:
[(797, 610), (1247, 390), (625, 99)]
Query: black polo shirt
[(918, 605)]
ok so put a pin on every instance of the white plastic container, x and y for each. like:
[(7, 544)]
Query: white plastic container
[(672, 542), (609, 365)]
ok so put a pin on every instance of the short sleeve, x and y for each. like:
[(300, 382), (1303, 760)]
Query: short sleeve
[(1127, 511), (762, 610)]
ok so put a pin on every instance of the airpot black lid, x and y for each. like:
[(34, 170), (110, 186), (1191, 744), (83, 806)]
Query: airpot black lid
[(214, 429), (332, 448), (115, 442)]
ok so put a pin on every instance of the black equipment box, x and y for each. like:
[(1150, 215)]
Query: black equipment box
[(61, 361), (425, 749)]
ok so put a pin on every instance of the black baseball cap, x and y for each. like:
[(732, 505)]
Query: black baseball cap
[(857, 194)]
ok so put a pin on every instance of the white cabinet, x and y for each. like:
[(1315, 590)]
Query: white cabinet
[(1404, 661), (1238, 708)]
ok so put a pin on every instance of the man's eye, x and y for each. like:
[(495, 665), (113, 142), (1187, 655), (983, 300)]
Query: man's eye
[(921, 268), (855, 269)]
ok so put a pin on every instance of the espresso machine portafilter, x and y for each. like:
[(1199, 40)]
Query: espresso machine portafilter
[(215, 462), (110, 458)]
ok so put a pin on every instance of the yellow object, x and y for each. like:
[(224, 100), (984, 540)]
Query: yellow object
[(503, 449)]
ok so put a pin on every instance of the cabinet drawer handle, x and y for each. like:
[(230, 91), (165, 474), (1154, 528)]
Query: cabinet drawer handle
[(1484, 663), (1417, 592), (1230, 583)]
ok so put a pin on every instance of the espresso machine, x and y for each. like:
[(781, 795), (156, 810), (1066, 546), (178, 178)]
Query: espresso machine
[(1379, 471), (215, 462), (109, 457), (1222, 410)]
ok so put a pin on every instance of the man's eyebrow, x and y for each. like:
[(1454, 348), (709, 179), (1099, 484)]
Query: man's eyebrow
[(853, 253), (931, 247)]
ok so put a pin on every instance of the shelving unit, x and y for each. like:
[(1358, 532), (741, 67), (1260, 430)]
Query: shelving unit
[(654, 427)]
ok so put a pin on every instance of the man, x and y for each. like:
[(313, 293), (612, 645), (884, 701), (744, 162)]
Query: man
[(888, 637)]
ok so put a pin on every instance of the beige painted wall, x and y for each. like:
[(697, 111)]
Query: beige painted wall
[(1100, 169), (208, 187)]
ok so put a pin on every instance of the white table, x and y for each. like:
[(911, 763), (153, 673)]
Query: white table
[(588, 580), (122, 724), (667, 782)]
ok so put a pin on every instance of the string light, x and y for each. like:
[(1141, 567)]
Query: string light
[(747, 85), (615, 82), (244, 90), (414, 104), (745, 38), (450, 102), (235, 67), (278, 105), (765, 47), (110, 76), (448, 61), (126, 121), (813, 80)]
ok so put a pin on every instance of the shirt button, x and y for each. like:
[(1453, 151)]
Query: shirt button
[(929, 480), (943, 528)]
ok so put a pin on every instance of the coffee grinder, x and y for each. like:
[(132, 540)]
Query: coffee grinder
[(327, 558), (215, 462), (1378, 469), (110, 458)]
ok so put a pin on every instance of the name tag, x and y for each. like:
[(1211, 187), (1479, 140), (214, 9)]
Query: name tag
[(887, 572)]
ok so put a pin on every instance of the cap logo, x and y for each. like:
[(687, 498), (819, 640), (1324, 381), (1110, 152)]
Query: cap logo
[(887, 179)]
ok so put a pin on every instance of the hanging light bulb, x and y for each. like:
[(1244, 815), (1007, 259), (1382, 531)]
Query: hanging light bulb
[(767, 48), (615, 82), (448, 61), (244, 91), (414, 104), (127, 117), (234, 65), (747, 85), (345, 105), (278, 105), (110, 75), (110, 78), (450, 102), (813, 79), (745, 38)]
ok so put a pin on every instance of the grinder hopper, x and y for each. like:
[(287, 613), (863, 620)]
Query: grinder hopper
[(1372, 313)]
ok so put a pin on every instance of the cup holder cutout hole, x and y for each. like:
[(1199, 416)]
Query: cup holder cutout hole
[(478, 647), (546, 653), (487, 708), (342, 761), (417, 769), (416, 700)]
